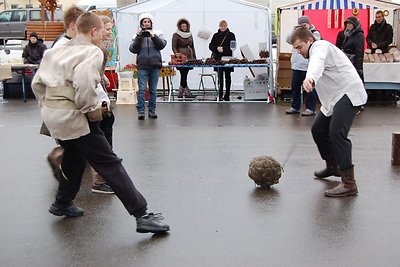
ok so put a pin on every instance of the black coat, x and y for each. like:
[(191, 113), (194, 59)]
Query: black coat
[(218, 40), (381, 34), (353, 47), (33, 53)]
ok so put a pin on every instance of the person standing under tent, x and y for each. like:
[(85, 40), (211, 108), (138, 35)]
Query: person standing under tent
[(147, 44), (220, 46), (182, 42)]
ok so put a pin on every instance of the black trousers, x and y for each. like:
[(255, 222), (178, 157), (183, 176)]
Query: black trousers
[(95, 149), (106, 125), (184, 74), (330, 133), (228, 81)]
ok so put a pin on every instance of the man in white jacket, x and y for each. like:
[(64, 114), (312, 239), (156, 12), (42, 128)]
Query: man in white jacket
[(341, 93)]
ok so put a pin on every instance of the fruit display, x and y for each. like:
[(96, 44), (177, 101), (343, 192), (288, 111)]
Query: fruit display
[(179, 60)]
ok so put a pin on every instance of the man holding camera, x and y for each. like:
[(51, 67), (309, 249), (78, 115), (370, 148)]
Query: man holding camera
[(147, 44)]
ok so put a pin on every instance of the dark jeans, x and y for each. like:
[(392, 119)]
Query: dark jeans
[(228, 81), (95, 149), (310, 99), (330, 133), (184, 74)]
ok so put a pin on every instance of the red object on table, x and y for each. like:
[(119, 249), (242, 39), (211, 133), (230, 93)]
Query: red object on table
[(113, 78)]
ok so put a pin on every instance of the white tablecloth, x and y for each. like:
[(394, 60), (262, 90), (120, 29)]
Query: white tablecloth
[(382, 72)]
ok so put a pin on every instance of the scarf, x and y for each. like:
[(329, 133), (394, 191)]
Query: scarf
[(184, 34)]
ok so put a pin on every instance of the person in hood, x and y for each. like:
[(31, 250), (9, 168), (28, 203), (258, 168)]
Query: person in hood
[(299, 69), (351, 42), (182, 42), (34, 50), (220, 46), (147, 44), (380, 34)]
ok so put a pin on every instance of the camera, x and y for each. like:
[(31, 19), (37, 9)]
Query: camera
[(144, 32)]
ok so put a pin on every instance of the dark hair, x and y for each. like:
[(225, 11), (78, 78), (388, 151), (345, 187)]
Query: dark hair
[(87, 21), (71, 15), (380, 12), (301, 34), (183, 21)]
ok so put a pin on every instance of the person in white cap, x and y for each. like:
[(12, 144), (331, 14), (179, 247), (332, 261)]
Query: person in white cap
[(299, 69), (147, 44)]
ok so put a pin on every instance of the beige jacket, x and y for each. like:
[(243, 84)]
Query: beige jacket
[(65, 85)]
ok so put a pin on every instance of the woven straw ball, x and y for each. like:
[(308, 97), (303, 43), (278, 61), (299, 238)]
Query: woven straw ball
[(265, 171)]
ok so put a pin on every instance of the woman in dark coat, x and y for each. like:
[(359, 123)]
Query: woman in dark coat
[(34, 50), (220, 46), (351, 42), (182, 42)]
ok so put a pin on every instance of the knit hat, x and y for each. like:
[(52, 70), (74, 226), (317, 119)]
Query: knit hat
[(145, 16), (303, 19), (34, 34)]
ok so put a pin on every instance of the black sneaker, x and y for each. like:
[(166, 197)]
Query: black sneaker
[(69, 211), (152, 115), (141, 116), (151, 223), (102, 189)]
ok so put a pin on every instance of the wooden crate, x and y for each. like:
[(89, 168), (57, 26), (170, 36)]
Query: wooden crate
[(126, 97), (48, 30)]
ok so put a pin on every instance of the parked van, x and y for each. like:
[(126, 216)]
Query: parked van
[(13, 21), (97, 4)]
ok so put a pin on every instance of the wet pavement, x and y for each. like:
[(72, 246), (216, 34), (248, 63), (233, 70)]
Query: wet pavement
[(191, 164)]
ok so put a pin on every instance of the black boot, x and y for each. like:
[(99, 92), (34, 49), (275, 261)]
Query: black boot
[(330, 170), (347, 187)]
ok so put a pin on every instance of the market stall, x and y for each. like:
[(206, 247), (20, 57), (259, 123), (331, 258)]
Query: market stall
[(251, 24), (328, 17)]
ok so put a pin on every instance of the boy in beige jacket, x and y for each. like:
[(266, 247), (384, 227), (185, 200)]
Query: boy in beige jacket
[(65, 86)]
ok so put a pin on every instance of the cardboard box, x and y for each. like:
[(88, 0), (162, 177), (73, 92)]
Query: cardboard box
[(285, 56), (126, 97), (284, 82), (127, 84), (284, 73), (285, 64), (5, 72), (255, 89)]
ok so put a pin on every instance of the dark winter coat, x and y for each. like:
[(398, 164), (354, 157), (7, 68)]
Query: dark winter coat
[(381, 34), (33, 53), (218, 40), (183, 45), (353, 45), (148, 50)]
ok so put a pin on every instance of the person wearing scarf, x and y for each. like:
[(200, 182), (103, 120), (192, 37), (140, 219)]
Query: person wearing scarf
[(380, 34), (351, 42), (182, 42)]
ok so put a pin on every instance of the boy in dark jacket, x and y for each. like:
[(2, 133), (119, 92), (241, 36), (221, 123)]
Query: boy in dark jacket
[(34, 50), (147, 44)]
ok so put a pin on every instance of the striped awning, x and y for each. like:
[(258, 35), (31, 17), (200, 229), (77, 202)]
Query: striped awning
[(330, 4)]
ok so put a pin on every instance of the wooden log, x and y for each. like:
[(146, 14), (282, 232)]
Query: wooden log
[(396, 149)]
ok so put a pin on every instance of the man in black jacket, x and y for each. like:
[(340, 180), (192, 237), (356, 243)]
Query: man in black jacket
[(380, 34), (34, 50)]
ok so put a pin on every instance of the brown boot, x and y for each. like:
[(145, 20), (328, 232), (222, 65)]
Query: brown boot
[(330, 170), (347, 187)]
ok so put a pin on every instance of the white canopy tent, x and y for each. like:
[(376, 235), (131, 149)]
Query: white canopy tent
[(251, 24)]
